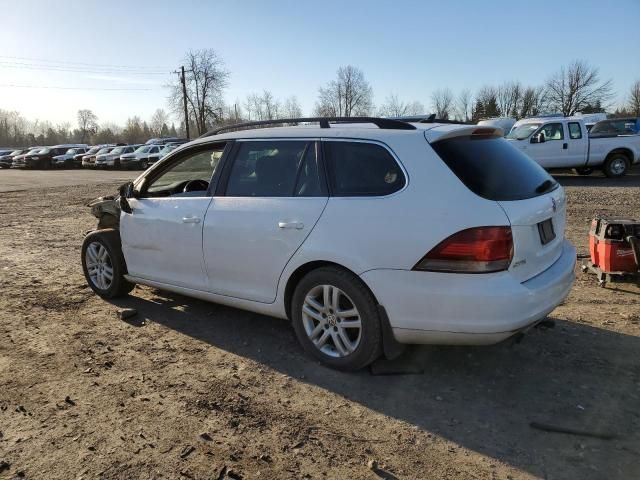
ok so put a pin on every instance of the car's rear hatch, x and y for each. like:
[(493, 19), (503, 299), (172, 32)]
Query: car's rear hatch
[(532, 200), (537, 226)]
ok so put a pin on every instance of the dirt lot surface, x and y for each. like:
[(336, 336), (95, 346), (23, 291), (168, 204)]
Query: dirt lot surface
[(13, 180), (188, 389)]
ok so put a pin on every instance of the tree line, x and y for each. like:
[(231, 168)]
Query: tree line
[(15, 130), (577, 87)]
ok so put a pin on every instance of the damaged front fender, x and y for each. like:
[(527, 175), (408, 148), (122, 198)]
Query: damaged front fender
[(107, 211)]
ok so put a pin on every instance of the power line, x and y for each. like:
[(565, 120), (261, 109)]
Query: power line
[(43, 60), (7, 85), (74, 70)]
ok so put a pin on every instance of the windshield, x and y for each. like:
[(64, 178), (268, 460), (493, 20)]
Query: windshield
[(16, 152), (143, 149), (118, 150), (71, 151), (523, 131), (104, 150), (168, 148), (93, 150)]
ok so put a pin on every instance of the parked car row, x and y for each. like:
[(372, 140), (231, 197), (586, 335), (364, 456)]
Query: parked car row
[(118, 155)]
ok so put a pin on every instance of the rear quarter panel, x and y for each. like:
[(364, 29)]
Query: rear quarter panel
[(600, 148), (396, 231)]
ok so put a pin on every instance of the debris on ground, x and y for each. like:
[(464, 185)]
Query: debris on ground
[(186, 451), (127, 313)]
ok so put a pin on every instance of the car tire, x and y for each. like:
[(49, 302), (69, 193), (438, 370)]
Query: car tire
[(616, 165), (102, 253), (584, 170), (320, 325), (144, 165)]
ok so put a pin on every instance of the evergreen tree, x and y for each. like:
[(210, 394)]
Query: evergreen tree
[(478, 112)]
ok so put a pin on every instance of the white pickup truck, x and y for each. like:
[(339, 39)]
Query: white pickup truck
[(563, 142)]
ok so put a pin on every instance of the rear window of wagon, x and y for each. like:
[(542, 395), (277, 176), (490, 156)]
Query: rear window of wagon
[(494, 169)]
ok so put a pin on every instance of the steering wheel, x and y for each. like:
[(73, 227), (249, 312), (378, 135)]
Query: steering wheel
[(195, 186)]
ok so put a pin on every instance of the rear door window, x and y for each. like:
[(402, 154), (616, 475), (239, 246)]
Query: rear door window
[(575, 132), (278, 168), (361, 169), (494, 169)]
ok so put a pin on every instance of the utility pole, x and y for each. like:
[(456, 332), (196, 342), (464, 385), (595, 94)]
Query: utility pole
[(184, 100)]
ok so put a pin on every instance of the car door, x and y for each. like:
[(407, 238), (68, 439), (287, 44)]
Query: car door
[(552, 152), (578, 145), (162, 236), (271, 195)]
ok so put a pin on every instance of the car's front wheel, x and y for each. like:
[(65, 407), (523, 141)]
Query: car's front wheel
[(103, 264), (336, 320)]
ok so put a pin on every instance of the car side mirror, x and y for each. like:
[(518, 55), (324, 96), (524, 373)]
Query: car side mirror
[(126, 191), (539, 138)]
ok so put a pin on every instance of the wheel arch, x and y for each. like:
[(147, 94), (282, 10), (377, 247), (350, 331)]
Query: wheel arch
[(623, 151), (302, 270)]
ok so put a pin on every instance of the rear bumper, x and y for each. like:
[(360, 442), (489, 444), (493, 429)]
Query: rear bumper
[(443, 308)]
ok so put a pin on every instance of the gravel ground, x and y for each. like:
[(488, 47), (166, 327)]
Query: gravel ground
[(188, 389)]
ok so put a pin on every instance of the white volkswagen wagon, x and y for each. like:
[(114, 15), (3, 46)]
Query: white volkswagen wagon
[(365, 235)]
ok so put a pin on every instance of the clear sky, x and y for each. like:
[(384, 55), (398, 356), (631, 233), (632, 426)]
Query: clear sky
[(292, 47)]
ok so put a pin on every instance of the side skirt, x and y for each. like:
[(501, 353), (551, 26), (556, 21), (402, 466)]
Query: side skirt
[(271, 309)]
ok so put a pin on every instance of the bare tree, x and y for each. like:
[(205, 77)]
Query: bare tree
[(442, 103), (464, 106), (159, 119), (532, 101), (253, 106), (508, 96), (577, 86), (291, 108), (87, 122), (270, 105), (205, 78), (633, 103), (348, 95), (394, 107)]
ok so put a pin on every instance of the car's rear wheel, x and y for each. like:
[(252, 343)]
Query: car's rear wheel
[(144, 165), (336, 320), (616, 165), (103, 264)]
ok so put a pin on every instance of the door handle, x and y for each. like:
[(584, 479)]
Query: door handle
[(296, 225), (190, 220), (565, 146)]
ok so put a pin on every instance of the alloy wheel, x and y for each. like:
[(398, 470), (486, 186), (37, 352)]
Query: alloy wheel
[(99, 266), (331, 321)]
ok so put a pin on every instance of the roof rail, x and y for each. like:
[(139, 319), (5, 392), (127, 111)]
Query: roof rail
[(427, 119), (385, 123)]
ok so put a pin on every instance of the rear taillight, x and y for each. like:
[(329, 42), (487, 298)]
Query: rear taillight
[(475, 250)]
